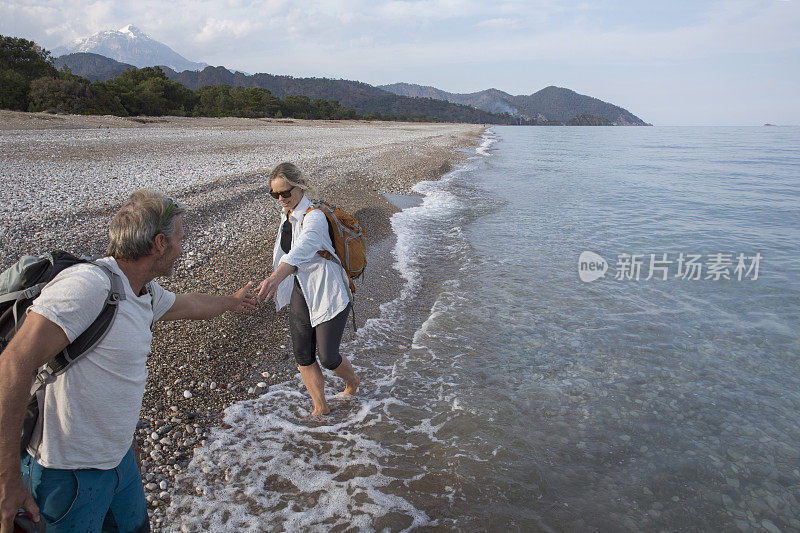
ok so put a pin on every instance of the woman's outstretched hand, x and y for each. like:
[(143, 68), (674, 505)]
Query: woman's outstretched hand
[(268, 288)]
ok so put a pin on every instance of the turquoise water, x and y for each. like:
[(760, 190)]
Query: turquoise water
[(504, 393)]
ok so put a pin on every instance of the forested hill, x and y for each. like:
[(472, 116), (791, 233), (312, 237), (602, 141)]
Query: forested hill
[(551, 105), (361, 97), (93, 67)]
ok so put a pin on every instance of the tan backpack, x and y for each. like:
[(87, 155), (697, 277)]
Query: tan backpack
[(347, 238)]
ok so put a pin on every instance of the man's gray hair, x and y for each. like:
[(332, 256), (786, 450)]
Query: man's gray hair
[(143, 215)]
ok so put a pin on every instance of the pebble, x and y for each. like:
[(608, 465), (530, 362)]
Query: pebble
[(727, 501), (187, 394), (213, 385), (163, 485)]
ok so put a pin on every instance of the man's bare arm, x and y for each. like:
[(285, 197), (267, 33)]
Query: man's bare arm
[(199, 306), (35, 344)]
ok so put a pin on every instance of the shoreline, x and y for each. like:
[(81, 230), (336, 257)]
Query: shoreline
[(231, 226)]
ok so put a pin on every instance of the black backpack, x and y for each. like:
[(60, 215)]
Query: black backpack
[(20, 285)]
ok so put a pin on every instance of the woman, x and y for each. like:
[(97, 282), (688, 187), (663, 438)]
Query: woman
[(319, 301)]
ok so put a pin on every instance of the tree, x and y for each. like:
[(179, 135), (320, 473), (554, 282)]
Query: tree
[(66, 96), (148, 91), (72, 94), (21, 61), (13, 90), (26, 58)]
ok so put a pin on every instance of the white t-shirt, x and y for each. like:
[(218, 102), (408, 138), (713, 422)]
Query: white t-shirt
[(91, 410)]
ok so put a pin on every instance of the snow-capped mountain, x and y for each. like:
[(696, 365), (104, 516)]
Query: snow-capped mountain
[(130, 45)]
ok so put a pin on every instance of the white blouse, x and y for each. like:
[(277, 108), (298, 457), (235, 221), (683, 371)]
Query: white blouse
[(322, 280)]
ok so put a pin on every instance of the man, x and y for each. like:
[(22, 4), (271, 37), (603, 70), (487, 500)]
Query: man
[(82, 476)]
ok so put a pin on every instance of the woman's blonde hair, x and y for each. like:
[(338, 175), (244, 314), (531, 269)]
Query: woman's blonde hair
[(294, 176)]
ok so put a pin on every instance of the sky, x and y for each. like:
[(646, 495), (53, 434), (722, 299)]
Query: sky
[(734, 62)]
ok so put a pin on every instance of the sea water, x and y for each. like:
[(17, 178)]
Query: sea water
[(597, 330)]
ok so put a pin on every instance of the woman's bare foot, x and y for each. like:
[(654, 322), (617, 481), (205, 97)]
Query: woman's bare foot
[(351, 388), (315, 383), (351, 381), (317, 413)]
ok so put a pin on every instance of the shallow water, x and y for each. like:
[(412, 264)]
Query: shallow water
[(501, 392)]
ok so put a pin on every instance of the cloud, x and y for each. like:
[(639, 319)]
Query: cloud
[(424, 10), (423, 29), (499, 24), (215, 30)]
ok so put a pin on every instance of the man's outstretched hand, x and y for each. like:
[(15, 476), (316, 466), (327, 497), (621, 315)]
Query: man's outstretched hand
[(246, 299)]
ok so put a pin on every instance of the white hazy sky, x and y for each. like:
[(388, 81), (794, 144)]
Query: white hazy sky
[(670, 62)]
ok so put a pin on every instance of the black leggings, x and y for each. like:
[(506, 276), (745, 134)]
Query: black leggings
[(305, 339)]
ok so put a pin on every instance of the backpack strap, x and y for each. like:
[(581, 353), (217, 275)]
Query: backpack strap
[(19, 296), (87, 340), (24, 294)]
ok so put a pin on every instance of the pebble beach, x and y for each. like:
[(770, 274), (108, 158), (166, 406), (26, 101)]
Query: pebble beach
[(62, 178)]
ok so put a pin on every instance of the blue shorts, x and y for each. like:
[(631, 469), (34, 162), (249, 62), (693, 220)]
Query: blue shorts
[(88, 500)]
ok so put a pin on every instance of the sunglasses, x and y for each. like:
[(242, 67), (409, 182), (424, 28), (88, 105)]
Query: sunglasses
[(283, 194), (167, 214)]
